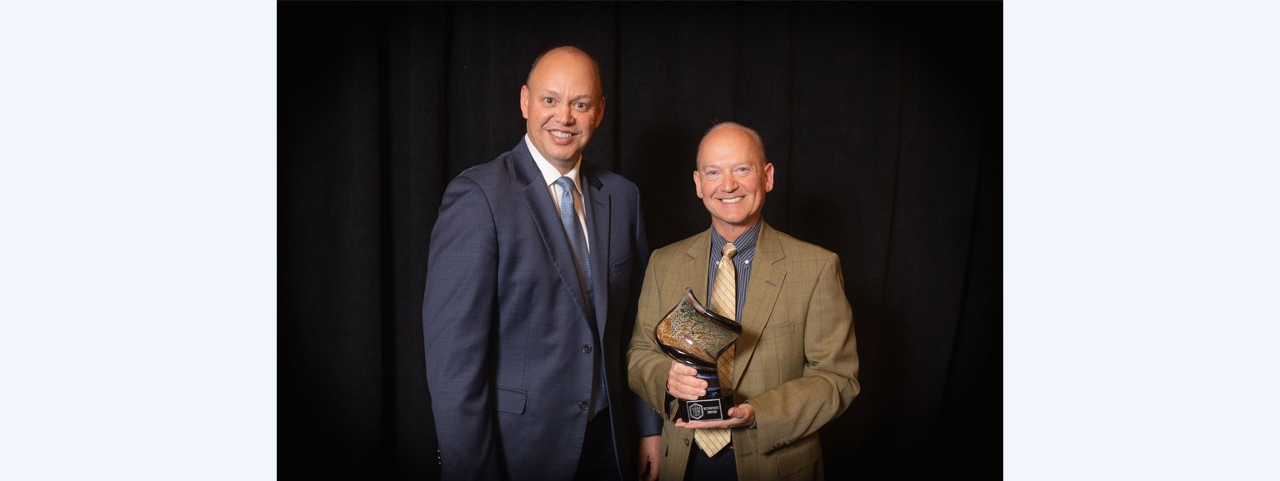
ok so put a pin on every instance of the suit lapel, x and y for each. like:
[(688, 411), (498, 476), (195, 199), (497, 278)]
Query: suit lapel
[(545, 217), (695, 276), (598, 218), (762, 295)]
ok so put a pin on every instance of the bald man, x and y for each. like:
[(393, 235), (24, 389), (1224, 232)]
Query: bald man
[(795, 367), (532, 280)]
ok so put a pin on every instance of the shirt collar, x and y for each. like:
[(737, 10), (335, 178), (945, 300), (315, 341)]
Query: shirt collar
[(745, 243), (549, 172)]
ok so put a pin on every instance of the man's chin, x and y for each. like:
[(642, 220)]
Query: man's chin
[(563, 153), (733, 221)]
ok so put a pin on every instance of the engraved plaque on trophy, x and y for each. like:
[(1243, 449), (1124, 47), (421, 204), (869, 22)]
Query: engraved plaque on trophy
[(696, 337)]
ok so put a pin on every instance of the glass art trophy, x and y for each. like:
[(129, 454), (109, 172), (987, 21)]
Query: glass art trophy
[(696, 337)]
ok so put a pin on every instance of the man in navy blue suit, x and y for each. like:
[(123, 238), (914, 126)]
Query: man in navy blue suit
[(532, 280)]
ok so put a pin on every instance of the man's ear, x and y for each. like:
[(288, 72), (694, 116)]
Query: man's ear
[(600, 112), (697, 184), (524, 101)]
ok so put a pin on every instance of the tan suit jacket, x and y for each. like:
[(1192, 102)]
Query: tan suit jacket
[(796, 362)]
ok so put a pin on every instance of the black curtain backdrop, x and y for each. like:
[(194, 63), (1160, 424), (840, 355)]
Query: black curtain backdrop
[(883, 122)]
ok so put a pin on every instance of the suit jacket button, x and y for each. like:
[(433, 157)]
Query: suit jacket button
[(686, 442), (582, 406), (586, 348)]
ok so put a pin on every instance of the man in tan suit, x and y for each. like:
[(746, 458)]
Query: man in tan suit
[(795, 366)]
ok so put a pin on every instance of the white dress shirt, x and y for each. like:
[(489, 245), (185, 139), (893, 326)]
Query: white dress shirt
[(550, 174)]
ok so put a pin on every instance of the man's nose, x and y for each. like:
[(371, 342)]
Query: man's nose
[(730, 184), (564, 114)]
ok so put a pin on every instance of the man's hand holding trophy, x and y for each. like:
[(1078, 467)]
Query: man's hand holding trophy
[(696, 337)]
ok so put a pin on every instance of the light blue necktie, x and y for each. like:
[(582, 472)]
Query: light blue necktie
[(574, 229), (578, 242)]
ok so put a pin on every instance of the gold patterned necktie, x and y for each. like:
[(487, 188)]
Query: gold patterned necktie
[(724, 301)]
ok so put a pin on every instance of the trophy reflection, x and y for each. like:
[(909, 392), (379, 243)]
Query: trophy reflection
[(696, 337)]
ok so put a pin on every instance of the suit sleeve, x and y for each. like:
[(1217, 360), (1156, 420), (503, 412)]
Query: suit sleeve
[(829, 380), (457, 324), (647, 365)]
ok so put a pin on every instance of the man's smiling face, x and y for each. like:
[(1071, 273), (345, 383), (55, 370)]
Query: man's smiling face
[(732, 179), (562, 105)]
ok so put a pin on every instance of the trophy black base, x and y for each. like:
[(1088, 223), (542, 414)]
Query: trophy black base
[(713, 409)]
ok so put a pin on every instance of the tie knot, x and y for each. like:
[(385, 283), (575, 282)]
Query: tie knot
[(729, 250), (565, 183)]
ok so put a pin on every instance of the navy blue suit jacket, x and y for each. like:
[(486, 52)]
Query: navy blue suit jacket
[(509, 341)]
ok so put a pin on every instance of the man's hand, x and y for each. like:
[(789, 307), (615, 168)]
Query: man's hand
[(740, 415), (682, 383), (649, 458)]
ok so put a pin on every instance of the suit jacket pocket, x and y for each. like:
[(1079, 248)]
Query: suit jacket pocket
[(771, 331), (797, 458), (510, 401), (620, 267)]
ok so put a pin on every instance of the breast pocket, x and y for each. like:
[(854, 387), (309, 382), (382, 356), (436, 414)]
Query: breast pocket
[(773, 331), (622, 267)]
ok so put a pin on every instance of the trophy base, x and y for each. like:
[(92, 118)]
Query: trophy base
[(715, 409)]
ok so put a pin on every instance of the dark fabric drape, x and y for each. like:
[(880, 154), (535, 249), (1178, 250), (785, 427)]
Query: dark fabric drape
[(883, 122)]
